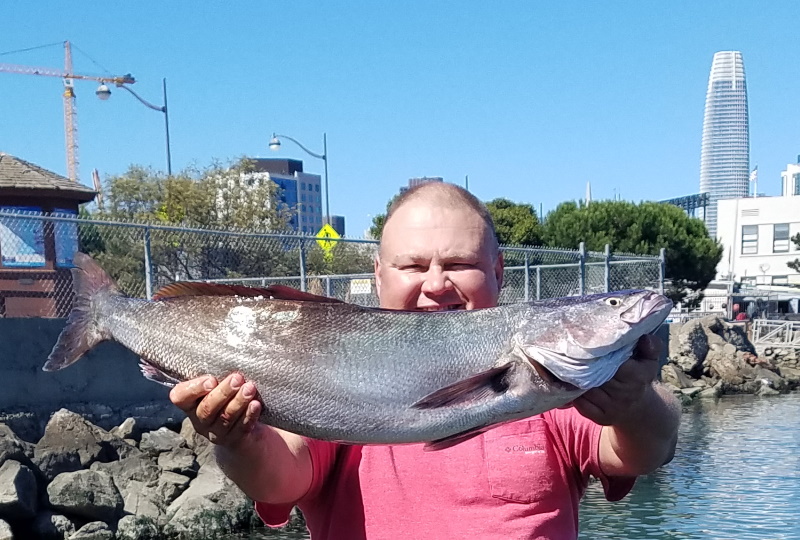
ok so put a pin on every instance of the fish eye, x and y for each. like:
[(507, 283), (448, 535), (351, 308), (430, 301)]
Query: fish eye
[(614, 302)]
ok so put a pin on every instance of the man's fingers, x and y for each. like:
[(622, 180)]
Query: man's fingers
[(235, 408), (185, 395), (216, 400)]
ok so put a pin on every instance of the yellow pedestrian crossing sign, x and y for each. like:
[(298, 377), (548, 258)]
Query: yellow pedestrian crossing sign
[(326, 238)]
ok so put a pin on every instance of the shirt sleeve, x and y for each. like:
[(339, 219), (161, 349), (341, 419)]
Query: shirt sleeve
[(580, 445), (323, 457)]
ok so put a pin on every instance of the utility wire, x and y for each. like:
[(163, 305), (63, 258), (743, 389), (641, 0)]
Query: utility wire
[(92, 60), (31, 48)]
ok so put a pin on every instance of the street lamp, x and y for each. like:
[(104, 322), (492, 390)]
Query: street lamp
[(103, 92), (275, 144)]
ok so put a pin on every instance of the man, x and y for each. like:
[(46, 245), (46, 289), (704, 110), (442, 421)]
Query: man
[(519, 480)]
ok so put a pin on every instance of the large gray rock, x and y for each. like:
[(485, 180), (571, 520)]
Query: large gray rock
[(89, 494), (676, 377), (161, 440), (180, 460), (17, 491), (138, 467), (12, 447), (70, 443), (171, 485), (137, 528), (201, 446), (5, 531), (141, 499), (691, 346), (130, 428), (733, 334), (212, 502), (48, 525), (95, 530)]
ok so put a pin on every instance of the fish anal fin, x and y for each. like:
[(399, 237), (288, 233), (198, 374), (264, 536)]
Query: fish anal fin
[(152, 373), (483, 385), (447, 442), (200, 288)]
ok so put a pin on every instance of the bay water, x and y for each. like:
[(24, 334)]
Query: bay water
[(736, 475)]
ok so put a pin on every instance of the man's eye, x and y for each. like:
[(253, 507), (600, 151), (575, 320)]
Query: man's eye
[(460, 266), (412, 267)]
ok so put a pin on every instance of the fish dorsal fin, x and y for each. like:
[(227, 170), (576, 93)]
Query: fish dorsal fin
[(200, 288), (484, 385)]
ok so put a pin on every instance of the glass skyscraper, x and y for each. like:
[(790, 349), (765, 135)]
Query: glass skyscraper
[(725, 156)]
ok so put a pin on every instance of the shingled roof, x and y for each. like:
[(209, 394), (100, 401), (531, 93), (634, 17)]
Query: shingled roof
[(18, 176)]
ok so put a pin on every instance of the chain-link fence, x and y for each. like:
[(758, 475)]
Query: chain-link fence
[(37, 252)]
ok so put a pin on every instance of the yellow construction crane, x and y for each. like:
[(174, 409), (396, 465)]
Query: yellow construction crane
[(70, 116)]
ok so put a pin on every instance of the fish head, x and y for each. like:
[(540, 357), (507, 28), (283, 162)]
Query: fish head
[(583, 340)]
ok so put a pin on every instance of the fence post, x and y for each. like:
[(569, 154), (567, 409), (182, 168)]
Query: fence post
[(527, 278), (582, 268), (538, 282), (662, 269), (148, 270), (328, 286), (302, 266), (608, 268)]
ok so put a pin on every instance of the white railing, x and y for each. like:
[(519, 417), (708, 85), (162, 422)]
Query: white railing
[(776, 333)]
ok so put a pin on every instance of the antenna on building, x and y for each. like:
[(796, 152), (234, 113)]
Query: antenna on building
[(588, 193), (466, 181)]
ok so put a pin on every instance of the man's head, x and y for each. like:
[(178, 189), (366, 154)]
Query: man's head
[(438, 251)]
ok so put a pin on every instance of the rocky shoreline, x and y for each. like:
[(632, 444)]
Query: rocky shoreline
[(711, 357), (152, 476)]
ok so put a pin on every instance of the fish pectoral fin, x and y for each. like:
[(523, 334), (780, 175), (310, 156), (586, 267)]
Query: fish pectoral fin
[(486, 384), (199, 288), (154, 374), (452, 440)]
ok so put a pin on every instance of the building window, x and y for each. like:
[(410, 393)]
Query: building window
[(780, 280), (302, 186), (749, 239), (796, 184), (749, 281), (316, 188), (780, 238)]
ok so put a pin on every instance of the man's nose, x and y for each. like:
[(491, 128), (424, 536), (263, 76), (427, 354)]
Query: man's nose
[(437, 281)]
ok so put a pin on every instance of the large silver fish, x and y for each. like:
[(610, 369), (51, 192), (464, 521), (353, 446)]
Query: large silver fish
[(336, 371)]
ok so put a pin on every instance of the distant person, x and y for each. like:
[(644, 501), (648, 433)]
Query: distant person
[(741, 316), (519, 480)]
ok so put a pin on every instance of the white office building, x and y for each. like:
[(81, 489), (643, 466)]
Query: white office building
[(756, 234), (790, 179)]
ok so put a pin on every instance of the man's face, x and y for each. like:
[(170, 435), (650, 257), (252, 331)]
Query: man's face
[(435, 258)]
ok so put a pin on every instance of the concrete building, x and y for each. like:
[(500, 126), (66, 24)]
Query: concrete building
[(300, 192), (725, 152), (421, 180), (756, 235), (790, 179)]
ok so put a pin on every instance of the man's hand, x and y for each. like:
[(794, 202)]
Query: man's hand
[(225, 413), (611, 403)]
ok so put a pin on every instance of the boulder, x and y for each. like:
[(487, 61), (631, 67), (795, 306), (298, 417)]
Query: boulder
[(130, 428), (18, 498), (676, 377), (712, 392), (137, 528), (70, 443), (89, 494), (690, 347), (770, 379), (139, 468), (141, 499), (95, 530), (179, 460), (161, 440), (5, 531), (12, 447), (171, 485), (48, 525)]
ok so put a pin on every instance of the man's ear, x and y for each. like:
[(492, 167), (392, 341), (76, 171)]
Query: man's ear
[(499, 265), (377, 271)]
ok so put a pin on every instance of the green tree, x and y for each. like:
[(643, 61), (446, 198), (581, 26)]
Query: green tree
[(795, 264), (515, 223), (691, 256)]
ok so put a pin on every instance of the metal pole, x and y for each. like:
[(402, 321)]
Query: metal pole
[(608, 268), (166, 127), (328, 286), (148, 272), (538, 282), (325, 159), (527, 278), (662, 269), (582, 268), (302, 267)]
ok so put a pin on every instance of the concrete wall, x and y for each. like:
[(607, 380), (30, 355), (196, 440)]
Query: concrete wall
[(105, 384)]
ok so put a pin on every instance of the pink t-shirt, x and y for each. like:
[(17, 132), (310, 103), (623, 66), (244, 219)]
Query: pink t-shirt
[(519, 480)]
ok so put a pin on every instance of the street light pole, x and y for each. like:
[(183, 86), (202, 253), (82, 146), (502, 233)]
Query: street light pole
[(104, 93), (275, 144)]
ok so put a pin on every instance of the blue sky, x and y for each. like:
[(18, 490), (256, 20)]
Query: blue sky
[(530, 99)]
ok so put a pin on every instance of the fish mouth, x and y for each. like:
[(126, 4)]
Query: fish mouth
[(548, 377), (652, 304)]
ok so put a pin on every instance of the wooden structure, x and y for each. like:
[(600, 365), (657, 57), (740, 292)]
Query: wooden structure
[(39, 285)]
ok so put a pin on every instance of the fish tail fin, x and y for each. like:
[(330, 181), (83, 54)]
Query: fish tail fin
[(81, 332)]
